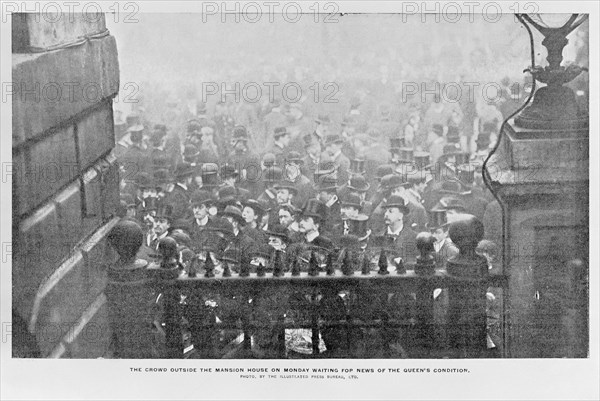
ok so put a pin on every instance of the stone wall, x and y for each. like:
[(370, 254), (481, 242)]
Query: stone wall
[(65, 183)]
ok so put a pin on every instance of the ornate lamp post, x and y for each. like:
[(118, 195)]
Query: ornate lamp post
[(554, 105), (539, 173)]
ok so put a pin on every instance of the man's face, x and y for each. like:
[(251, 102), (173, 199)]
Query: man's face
[(249, 215), (200, 211), (307, 224), (439, 234), (276, 243), (283, 196), (161, 225), (393, 215), (285, 218)]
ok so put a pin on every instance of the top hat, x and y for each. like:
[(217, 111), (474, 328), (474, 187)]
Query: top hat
[(333, 138), (272, 175), (279, 131), (359, 226), (396, 201), (314, 208), (437, 218), (406, 155), (327, 183), (438, 129), (228, 170), (277, 230), (201, 197), (235, 212), (184, 170), (294, 157), (422, 160), (396, 143), (352, 200), (357, 166), (451, 149), (358, 183), (466, 173), (453, 135), (165, 211)]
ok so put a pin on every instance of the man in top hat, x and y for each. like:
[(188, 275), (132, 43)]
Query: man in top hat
[(179, 196), (444, 248), (358, 185), (322, 127), (292, 173), (327, 193), (281, 142), (230, 176), (350, 208), (200, 203), (404, 238), (349, 125), (472, 195), (245, 161), (333, 152), (312, 157)]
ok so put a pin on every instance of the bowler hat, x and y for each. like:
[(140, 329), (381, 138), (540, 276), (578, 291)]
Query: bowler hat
[(451, 203), (286, 185), (383, 170), (162, 177), (325, 168), (277, 230), (314, 208), (235, 212), (397, 201), (279, 131), (322, 119), (201, 197), (254, 205), (240, 133), (294, 157), (451, 187), (227, 194), (393, 181), (333, 138), (358, 183)]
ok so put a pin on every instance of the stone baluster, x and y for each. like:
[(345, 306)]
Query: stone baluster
[(467, 297), (130, 299)]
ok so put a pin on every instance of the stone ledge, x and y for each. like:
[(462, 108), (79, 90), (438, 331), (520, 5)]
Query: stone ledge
[(43, 30), (48, 89)]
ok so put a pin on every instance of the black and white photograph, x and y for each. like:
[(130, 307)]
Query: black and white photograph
[(270, 196)]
